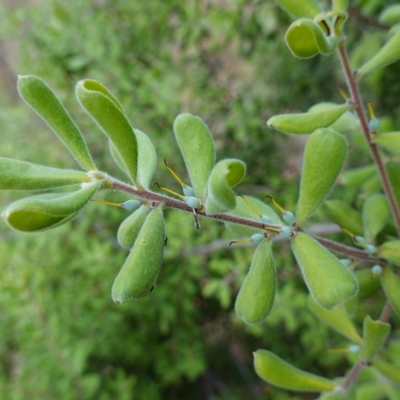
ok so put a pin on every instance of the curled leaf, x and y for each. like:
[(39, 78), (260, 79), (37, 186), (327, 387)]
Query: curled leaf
[(305, 39), (330, 283), (279, 373), (138, 275), (107, 113), (305, 123), (256, 296), (21, 175), (388, 54), (41, 98), (324, 157), (225, 175), (197, 147), (45, 211), (375, 334), (337, 319)]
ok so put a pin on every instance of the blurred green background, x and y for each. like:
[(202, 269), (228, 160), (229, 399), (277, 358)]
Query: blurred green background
[(61, 337)]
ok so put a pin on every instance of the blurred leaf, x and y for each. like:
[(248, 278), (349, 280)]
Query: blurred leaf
[(375, 214), (393, 169), (279, 373), (306, 8), (40, 97), (328, 280), (390, 251), (345, 216), (197, 147), (109, 116), (356, 176), (257, 294), (375, 334), (337, 319), (390, 15), (389, 370), (21, 175), (391, 286), (305, 123), (388, 140), (368, 282), (324, 157), (340, 5), (225, 175)]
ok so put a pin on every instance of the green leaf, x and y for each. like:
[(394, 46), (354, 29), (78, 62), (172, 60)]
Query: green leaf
[(305, 123), (45, 211), (393, 169), (357, 176), (390, 15), (299, 9), (391, 371), (111, 119), (338, 394), (147, 159), (388, 140), (345, 216), (278, 372), (375, 214), (324, 157), (391, 286), (305, 39), (375, 334), (244, 211), (131, 226), (225, 175), (41, 98), (337, 319), (197, 147), (368, 282), (388, 54), (21, 175), (257, 294), (138, 275), (340, 5), (390, 251), (328, 280)]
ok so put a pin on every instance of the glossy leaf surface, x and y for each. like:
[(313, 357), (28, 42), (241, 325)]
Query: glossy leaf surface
[(324, 157), (375, 334), (305, 123), (225, 175), (256, 296), (330, 283), (337, 319), (345, 216), (390, 251), (388, 54), (279, 373), (21, 175), (138, 275), (109, 116), (41, 98), (131, 226), (375, 214), (243, 210), (197, 147), (389, 140), (45, 211), (306, 39), (391, 286)]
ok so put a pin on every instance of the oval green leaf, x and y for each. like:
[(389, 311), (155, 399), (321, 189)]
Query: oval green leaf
[(391, 286), (390, 251), (244, 211), (375, 215), (388, 54), (278, 372), (389, 140), (225, 175), (300, 9), (357, 176), (337, 319), (305, 123), (45, 211), (375, 334), (330, 283), (390, 15), (306, 39), (138, 275), (41, 98), (111, 119), (324, 157), (131, 226), (257, 294), (345, 216), (197, 147), (21, 175)]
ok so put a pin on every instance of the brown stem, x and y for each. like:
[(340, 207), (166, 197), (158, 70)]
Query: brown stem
[(353, 374), (387, 310), (356, 98)]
